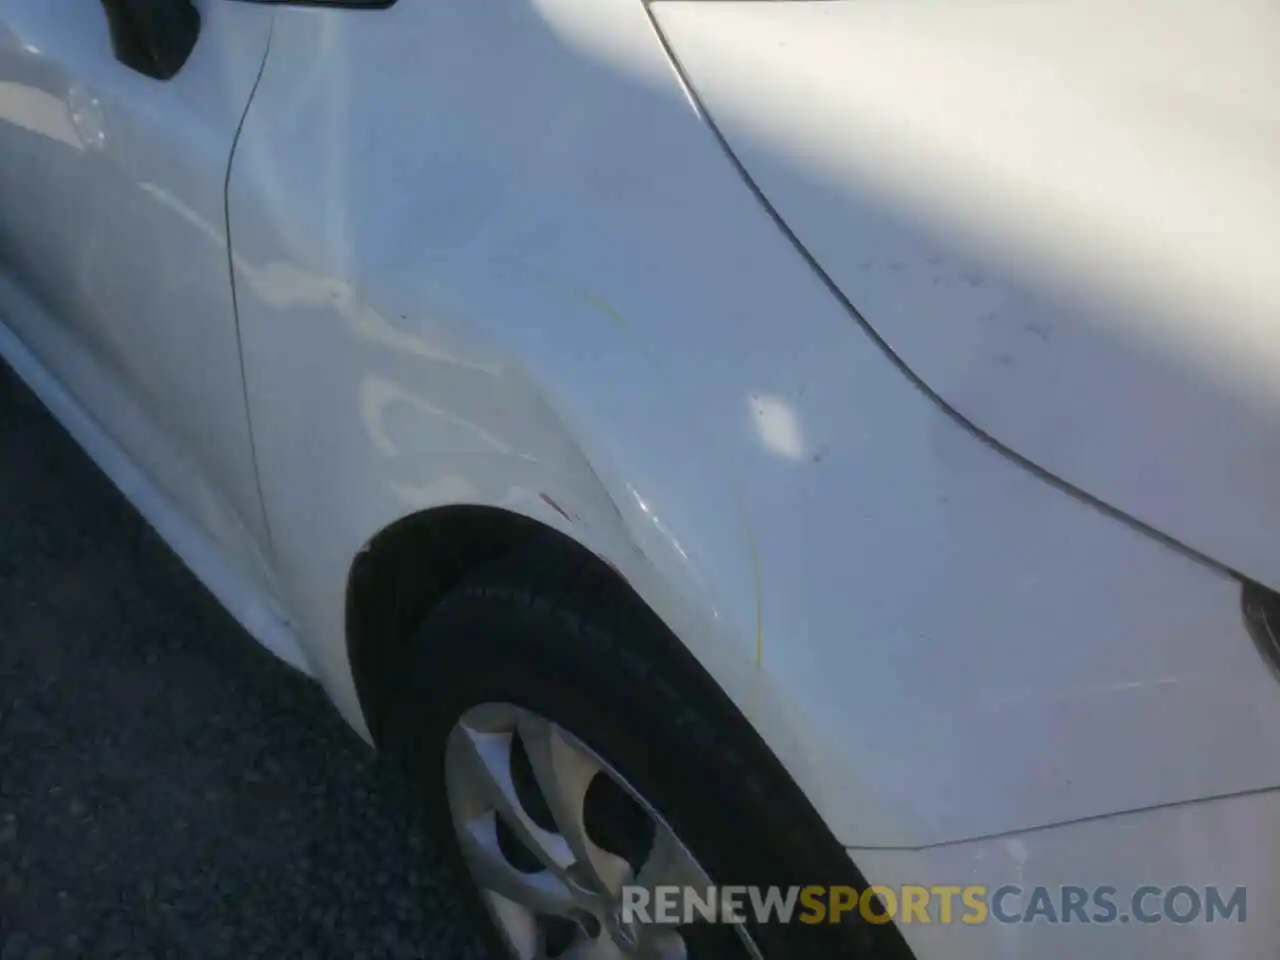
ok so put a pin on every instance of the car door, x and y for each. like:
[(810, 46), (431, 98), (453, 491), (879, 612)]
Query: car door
[(114, 267)]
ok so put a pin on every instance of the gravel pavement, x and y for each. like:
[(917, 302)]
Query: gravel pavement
[(168, 789)]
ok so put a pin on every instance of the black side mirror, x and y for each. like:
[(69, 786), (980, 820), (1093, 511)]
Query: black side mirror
[(154, 37)]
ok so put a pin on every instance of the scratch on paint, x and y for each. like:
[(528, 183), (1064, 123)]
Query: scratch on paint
[(600, 303), (546, 498)]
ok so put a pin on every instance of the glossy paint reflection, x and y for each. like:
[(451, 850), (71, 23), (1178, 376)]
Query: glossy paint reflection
[(550, 281), (1061, 217), (113, 248)]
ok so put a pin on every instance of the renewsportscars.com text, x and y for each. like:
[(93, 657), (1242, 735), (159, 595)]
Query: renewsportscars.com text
[(938, 903)]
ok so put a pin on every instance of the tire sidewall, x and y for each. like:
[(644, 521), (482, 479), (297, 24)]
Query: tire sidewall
[(591, 676)]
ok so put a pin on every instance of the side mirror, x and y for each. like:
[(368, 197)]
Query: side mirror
[(154, 37)]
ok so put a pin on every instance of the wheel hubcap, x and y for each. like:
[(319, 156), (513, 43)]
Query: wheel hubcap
[(533, 807)]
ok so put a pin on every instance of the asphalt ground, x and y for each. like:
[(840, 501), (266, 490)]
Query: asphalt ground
[(167, 788)]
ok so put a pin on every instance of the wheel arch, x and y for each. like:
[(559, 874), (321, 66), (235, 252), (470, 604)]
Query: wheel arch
[(404, 571), (410, 567)]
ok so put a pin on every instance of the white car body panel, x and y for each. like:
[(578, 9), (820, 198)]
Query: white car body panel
[(553, 283), (259, 614), (1232, 842), (92, 157), (492, 254), (1062, 216)]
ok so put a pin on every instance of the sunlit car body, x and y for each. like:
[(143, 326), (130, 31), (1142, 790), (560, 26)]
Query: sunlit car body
[(913, 365)]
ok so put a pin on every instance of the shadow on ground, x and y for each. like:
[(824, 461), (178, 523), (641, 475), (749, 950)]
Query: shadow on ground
[(168, 789)]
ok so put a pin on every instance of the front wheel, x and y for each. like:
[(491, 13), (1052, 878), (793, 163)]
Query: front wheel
[(578, 764)]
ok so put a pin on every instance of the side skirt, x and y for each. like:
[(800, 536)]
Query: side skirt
[(261, 617)]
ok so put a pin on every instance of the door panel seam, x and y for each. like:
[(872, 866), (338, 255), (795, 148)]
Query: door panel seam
[(235, 295)]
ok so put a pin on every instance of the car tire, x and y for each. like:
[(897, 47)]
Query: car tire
[(549, 636)]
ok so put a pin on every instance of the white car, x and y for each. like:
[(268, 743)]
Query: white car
[(753, 445)]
